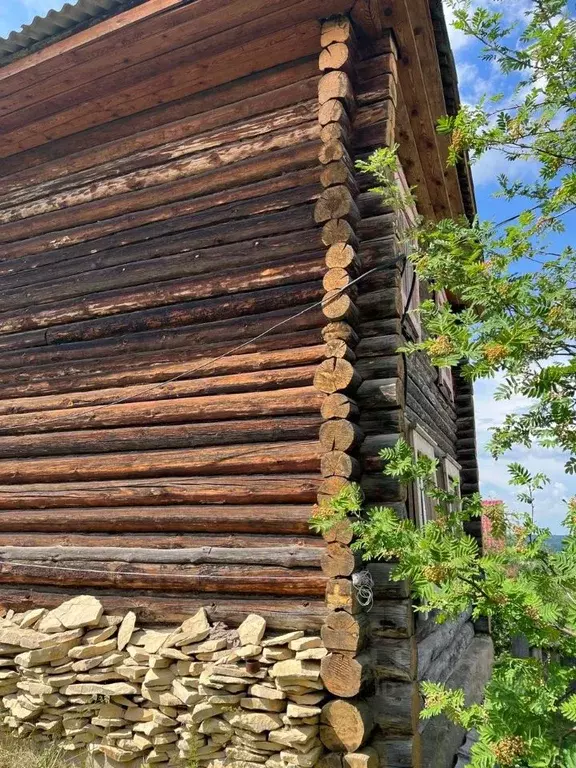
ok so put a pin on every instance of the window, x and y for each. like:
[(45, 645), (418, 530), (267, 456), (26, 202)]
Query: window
[(423, 504), (447, 471), (451, 473), (445, 378)]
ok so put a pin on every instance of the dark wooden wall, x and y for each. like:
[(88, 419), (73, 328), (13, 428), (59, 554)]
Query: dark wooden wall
[(133, 253)]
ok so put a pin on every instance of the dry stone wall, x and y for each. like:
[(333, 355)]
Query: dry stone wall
[(199, 694)]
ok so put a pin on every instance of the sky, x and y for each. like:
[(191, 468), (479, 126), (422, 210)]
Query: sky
[(475, 77)]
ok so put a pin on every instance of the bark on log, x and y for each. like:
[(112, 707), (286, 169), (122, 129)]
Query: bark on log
[(285, 557), (280, 613), (206, 519), (253, 489), (216, 579), (219, 407)]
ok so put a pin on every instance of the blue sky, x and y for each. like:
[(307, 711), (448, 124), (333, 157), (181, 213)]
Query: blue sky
[(476, 77)]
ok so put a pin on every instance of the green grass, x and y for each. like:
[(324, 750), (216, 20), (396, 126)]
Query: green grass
[(23, 753)]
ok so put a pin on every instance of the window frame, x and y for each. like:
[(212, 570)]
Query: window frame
[(445, 376), (424, 445)]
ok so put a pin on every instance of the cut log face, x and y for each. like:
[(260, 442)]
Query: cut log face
[(345, 725)]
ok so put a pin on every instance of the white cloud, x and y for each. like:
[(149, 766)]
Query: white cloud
[(550, 506)]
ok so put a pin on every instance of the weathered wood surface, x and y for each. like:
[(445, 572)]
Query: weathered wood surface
[(151, 226), (172, 608)]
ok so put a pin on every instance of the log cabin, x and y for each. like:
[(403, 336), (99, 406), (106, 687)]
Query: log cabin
[(201, 305)]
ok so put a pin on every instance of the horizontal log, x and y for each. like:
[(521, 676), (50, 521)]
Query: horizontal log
[(296, 400), (253, 489), (249, 170), (340, 307), (391, 618), (91, 441), (173, 316), (262, 518), (341, 532), (391, 366), (270, 351), (271, 89), (173, 541), (380, 393), (336, 85), (335, 56), (286, 557), (339, 348), (341, 256), (287, 271), (104, 238), (186, 386), (395, 658), (338, 172), (336, 203), (204, 339), (374, 422), (280, 613), (80, 202), (376, 346), (336, 279), (215, 579), (71, 188), (395, 707), (302, 456), (97, 104), (384, 586)]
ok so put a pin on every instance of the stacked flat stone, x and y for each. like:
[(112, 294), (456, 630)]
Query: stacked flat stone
[(131, 696)]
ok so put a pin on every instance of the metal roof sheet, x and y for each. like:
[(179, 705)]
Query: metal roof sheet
[(55, 23)]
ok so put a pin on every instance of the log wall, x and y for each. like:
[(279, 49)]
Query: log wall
[(154, 399)]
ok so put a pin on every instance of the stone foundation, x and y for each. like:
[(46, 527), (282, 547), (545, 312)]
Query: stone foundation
[(197, 694)]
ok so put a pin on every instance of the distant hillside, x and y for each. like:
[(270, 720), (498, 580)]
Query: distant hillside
[(555, 542)]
